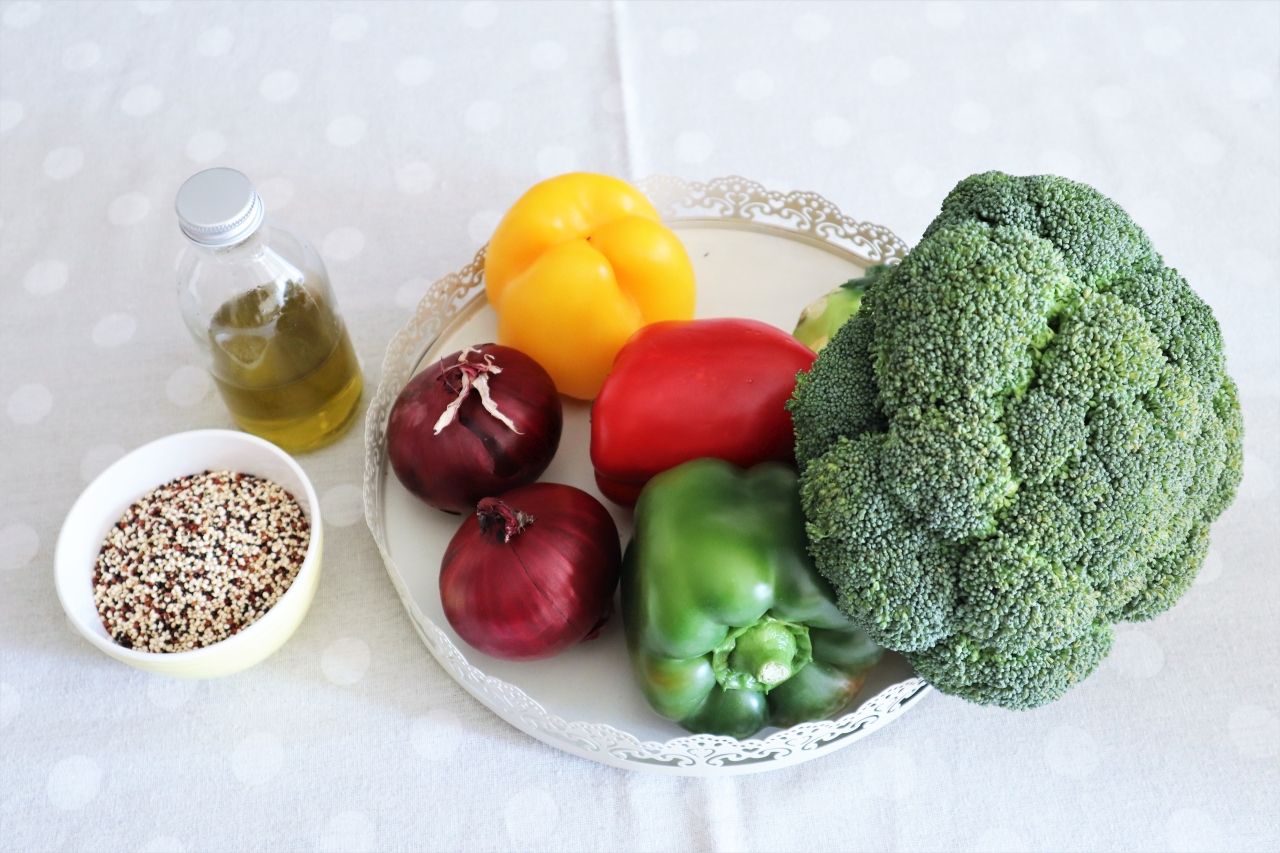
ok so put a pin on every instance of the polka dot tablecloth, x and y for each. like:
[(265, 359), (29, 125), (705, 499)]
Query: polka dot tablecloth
[(394, 135)]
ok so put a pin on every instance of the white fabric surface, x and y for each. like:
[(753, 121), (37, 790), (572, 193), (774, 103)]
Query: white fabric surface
[(394, 134)]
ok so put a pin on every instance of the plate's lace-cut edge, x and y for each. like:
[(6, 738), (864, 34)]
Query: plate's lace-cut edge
[(682, 752), (735, 197), (674, 198)]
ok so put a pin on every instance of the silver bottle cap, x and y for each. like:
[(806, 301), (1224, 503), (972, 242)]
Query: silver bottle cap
[(218, 208)]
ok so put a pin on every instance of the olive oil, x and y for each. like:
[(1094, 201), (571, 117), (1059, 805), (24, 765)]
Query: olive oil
[(285, 365)]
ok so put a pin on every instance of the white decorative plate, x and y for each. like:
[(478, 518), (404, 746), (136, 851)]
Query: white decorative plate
[(756, 253)]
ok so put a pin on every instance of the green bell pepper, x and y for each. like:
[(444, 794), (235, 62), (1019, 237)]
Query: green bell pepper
[(729, 625)]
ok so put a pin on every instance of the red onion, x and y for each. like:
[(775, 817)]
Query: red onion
[(531, 573), (478, 423)]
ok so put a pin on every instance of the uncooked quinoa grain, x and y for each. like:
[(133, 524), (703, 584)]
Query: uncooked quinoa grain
[(197, 560)]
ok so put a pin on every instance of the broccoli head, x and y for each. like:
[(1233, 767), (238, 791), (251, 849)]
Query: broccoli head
[(1020, 439)]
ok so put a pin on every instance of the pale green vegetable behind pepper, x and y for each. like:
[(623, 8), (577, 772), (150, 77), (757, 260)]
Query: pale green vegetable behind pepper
[(820, 320)]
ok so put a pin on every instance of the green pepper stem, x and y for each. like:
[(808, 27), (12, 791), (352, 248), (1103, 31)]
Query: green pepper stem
[(762, 655), (766, 652)]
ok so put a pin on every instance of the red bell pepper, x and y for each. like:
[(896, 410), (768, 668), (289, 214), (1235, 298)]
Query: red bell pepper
[(687, 390)]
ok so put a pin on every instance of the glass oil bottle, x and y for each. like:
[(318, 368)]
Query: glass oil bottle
[(256, 297)]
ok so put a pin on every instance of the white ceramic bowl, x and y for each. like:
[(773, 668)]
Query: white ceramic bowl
[(101, 505)]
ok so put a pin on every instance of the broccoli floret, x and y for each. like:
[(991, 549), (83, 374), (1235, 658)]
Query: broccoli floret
[(840, 390), (1093, 233), (905, 595), (1020, 439), (1026, 680)]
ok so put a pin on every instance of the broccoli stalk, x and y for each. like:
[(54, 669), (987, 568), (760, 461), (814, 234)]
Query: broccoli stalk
[(1019, 439)]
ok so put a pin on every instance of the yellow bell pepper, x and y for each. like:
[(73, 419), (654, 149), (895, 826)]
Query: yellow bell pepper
[(575, 267)]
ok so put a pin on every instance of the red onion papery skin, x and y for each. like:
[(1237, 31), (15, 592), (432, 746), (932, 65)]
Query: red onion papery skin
[(549, 587), (476, 455)]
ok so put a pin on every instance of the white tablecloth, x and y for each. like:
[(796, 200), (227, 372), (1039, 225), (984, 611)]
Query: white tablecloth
[(394, 134)]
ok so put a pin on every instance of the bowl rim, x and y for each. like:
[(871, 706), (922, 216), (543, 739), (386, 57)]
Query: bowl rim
[(65, 574)]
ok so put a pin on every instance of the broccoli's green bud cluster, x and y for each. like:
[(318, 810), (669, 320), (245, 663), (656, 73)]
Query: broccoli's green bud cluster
[(1020, 439)]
